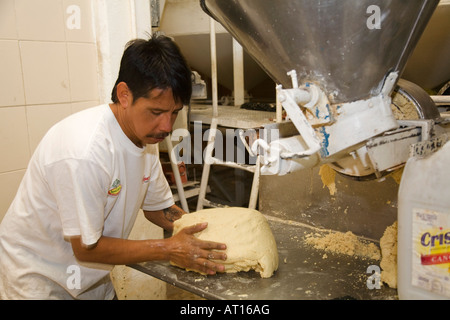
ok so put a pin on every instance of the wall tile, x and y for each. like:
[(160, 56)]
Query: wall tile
[(45, 72), (11, 82), (41, 118), (78, 21), (79, 106), (13, 139), (9, 183), (36, 38), (7, 20), (40, 20), (83, 71)]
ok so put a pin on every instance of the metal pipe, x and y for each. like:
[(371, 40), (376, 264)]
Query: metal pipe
[(212, 37), (176, 174), (238, 73), (441, 100)]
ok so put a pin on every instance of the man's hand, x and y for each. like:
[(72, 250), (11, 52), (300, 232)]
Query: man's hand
[(187, 251)]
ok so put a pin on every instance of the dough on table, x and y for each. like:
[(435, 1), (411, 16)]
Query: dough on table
[(388, 244), (246, 232)]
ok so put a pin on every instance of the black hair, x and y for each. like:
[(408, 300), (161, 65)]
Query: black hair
[(154, 63)]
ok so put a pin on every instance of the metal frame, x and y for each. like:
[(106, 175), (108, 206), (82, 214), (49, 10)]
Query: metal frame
[(209, 159)]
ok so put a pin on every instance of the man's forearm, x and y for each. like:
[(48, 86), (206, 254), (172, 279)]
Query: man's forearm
[(184, 249), (122, 251), (116, 251)]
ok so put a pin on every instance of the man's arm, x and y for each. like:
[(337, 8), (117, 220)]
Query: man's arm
[(165, 218), (184, 249)]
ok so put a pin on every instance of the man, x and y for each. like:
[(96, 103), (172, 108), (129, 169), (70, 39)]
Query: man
[(87, 180)]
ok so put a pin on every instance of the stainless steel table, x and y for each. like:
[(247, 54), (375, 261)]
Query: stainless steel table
[(232, 116), (303, 273)]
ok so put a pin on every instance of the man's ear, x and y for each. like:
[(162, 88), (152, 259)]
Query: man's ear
[(124, 94)]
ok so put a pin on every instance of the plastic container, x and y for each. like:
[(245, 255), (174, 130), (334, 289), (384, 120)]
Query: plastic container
[(424, 227)]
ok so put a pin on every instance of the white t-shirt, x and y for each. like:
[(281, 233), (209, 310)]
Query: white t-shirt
[(85, 178)]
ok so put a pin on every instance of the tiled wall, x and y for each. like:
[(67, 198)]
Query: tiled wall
[(48, 70)]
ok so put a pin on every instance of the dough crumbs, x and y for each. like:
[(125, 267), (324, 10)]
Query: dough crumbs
[(344, 243), (403, 108), (388, 244)]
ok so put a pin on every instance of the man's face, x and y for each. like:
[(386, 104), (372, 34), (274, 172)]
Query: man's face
[(150, 120)]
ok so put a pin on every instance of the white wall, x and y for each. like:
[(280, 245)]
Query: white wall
[(53, 64), (116, 23), (56, 59), (47, 72)]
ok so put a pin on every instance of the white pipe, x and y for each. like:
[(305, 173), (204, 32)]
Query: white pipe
[(279, 109), (290, 98), (212, 37), (441, 100), (238, 73), (176, 174), (207, 164), (255, 185), (293, 75)]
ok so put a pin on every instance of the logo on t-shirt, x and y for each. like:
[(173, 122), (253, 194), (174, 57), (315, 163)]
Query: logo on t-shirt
[(145, 179), (115, 188)]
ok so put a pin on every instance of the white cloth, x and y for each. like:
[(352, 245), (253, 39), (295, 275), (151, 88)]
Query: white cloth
[(85, 178)]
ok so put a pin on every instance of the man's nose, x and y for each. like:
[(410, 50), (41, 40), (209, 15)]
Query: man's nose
[(166, 123)]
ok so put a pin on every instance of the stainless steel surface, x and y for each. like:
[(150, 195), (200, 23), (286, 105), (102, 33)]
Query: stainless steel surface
[(365, 208), (231, 116), (304, 273), (328, 42)]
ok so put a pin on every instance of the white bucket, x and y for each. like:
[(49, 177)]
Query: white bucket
[(424, 227)]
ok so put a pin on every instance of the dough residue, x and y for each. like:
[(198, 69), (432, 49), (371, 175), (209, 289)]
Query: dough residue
[(343, 243), (328, 175), (246, 232), (388, 244), (403, 108), (397, 175)]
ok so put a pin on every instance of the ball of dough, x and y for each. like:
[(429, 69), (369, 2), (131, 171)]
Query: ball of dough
[(246, 232)]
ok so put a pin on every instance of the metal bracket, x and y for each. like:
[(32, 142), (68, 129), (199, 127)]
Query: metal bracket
[(391, 149), (427, 127), (314, 100), (414, 138)]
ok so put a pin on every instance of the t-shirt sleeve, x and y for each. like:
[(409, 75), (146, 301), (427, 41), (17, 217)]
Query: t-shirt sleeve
[(80, 190), (159, 196)]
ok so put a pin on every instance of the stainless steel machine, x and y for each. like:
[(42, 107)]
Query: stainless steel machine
[(338, 67), (337, 64)]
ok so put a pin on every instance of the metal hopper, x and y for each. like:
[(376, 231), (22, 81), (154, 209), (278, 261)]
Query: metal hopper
[(347, 46), (336, 63)]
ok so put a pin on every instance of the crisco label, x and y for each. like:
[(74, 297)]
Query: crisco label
[(438, 241), (431, 248)]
